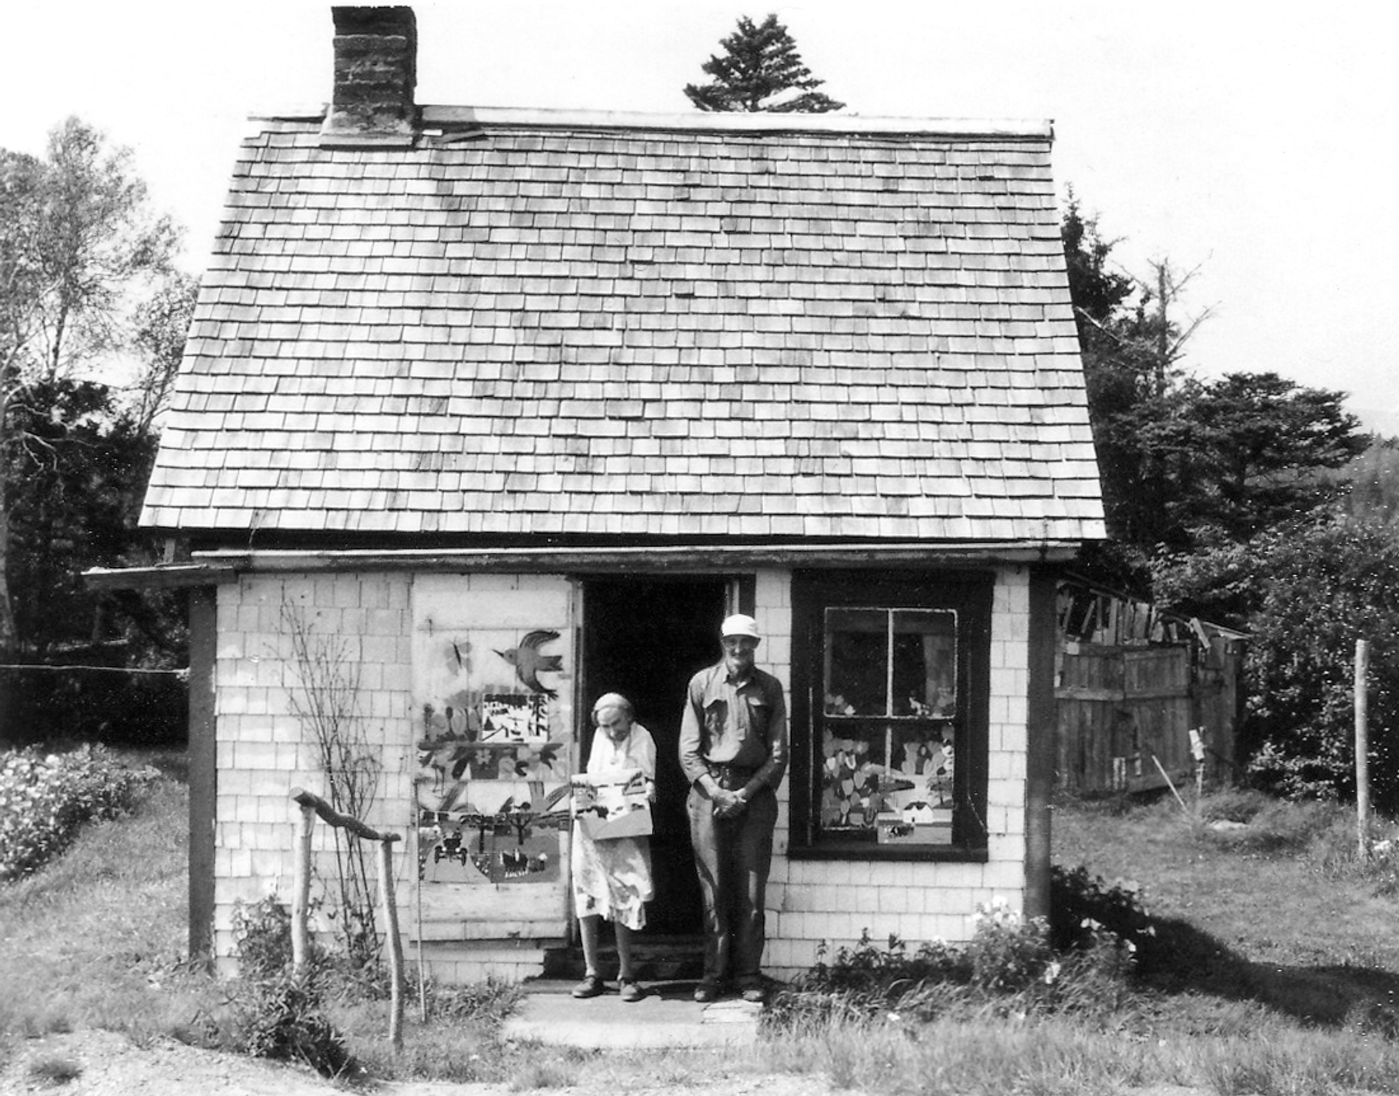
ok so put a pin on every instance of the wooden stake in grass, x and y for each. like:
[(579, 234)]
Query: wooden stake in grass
[(1162, 769), (311, 802), (1362, 747)]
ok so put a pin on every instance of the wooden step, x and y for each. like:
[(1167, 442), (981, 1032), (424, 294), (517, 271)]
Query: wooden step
[(657, 959)]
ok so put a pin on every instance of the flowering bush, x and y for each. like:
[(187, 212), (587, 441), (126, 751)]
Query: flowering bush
[(1012, 965), (1007, 952), (44, 798)]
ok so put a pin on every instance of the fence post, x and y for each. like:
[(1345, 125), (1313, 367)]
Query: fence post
[(386, 890), (1362, 747), (301, 890)]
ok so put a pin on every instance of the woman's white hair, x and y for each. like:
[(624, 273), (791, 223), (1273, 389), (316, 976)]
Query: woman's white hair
[(614, 700)]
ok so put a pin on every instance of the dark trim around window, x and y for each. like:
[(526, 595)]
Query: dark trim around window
[(965, 593)]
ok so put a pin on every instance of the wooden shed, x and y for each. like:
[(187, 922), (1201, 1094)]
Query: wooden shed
[(499, 409)]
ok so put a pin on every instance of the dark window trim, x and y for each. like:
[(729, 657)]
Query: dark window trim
[(968, 592)]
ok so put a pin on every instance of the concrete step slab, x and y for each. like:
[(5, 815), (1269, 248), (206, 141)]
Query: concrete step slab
[(668, 1016)]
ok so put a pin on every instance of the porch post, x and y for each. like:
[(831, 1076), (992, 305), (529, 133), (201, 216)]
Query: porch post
[(1040, 729), (203, 775)]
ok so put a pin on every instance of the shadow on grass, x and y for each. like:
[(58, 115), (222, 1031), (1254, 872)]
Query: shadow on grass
[(1182, 959)]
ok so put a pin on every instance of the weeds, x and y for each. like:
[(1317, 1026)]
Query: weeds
[(1010, 967), (54, 1071), (272, 1010), (280, 1017)]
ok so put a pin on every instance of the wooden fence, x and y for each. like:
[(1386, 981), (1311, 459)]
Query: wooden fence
[(1122, 709)]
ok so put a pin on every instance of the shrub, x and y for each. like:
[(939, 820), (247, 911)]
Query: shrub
[(1010, 966), (1083, 906), (44, 799), (280, 1017), (273, 1011), (1007, 952)]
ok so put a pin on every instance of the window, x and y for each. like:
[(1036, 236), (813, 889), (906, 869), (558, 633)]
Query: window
[(889, 715)]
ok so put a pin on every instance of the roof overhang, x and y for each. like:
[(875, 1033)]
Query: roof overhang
[(217, 566)]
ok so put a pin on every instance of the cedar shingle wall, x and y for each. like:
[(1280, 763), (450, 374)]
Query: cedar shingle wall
[(264, 750), (261, 756), (834, 901), (620, 332)]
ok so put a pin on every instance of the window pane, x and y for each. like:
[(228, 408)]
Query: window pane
[(917, 810), (854, 780), (857, 662), (925, 664)]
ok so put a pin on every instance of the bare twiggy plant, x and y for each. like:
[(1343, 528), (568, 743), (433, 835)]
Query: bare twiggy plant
[(326, 699)]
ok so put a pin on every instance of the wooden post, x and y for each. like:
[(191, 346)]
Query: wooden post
[(203, 769), (301, 890), (395, 943), (1362, 747), (1041, 725), (310, 804), (1169, 783)]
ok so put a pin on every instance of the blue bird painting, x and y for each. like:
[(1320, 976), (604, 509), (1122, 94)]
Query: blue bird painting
[(529, 663)]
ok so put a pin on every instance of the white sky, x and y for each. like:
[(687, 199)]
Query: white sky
[(1253, 142)]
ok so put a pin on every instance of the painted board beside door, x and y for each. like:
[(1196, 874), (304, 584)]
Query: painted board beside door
[(493, 680)]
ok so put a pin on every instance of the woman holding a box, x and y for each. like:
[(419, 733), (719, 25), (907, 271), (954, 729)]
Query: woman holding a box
[(612, 876)]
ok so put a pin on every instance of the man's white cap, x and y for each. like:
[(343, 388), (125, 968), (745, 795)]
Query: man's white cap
[(740, 625)]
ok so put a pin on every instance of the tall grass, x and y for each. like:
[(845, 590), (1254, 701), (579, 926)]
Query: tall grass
[(86, 941), (1054, 1056)]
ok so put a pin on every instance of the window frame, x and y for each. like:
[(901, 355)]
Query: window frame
[(966, 593)]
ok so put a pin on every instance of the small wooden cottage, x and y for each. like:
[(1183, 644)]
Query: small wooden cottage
[(485, 412)]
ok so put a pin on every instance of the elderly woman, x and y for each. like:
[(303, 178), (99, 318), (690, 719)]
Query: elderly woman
[(612, 879)]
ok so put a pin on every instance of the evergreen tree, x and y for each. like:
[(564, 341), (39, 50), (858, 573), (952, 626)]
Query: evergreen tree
[(760, 70)]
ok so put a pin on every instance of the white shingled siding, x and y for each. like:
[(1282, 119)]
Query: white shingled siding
[(263, 753), (810, 902)]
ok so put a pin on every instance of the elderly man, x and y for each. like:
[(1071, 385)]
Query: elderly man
[(733, 750)]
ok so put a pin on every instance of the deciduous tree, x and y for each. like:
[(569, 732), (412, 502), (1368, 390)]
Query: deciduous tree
[(78, 241)]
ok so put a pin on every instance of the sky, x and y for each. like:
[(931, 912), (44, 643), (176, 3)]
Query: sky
[(1252, 145)]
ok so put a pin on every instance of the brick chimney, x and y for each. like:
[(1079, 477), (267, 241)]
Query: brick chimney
[(376, 73)]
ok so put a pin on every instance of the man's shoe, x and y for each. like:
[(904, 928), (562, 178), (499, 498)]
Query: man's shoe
[(706, 992), (754, 993), (590, 986), (631, 991)]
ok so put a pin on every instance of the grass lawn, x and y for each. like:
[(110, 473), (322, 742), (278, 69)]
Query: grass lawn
[(1273, 972), (1280, 912)]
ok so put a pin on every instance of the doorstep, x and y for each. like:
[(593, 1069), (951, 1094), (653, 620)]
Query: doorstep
[(668, 1016)]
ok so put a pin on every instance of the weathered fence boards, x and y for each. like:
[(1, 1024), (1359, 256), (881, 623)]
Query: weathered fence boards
[(1120, 706)]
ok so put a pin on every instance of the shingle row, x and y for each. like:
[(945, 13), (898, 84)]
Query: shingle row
[(577, 332)]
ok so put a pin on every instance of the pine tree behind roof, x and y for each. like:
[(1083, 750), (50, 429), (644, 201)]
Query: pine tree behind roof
[(760, 62)]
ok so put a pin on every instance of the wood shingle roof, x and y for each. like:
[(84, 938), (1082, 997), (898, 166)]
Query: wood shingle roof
[(604, 327)]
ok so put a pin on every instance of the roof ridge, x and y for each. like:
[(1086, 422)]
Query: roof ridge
[(694, 121)]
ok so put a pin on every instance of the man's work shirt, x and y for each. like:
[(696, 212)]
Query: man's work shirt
[(739, 723)]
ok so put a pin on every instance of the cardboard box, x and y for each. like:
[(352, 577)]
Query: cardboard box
[(612, 805)]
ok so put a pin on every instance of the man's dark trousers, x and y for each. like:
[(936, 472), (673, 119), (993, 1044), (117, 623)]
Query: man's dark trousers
[(733, 857)]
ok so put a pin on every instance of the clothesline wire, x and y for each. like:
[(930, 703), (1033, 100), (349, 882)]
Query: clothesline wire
[(100, 669)]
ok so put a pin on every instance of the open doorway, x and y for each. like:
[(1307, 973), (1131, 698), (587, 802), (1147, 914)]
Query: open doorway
[(644, 638)]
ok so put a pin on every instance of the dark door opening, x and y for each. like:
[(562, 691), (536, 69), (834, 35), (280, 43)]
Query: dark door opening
[(644, 638)]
